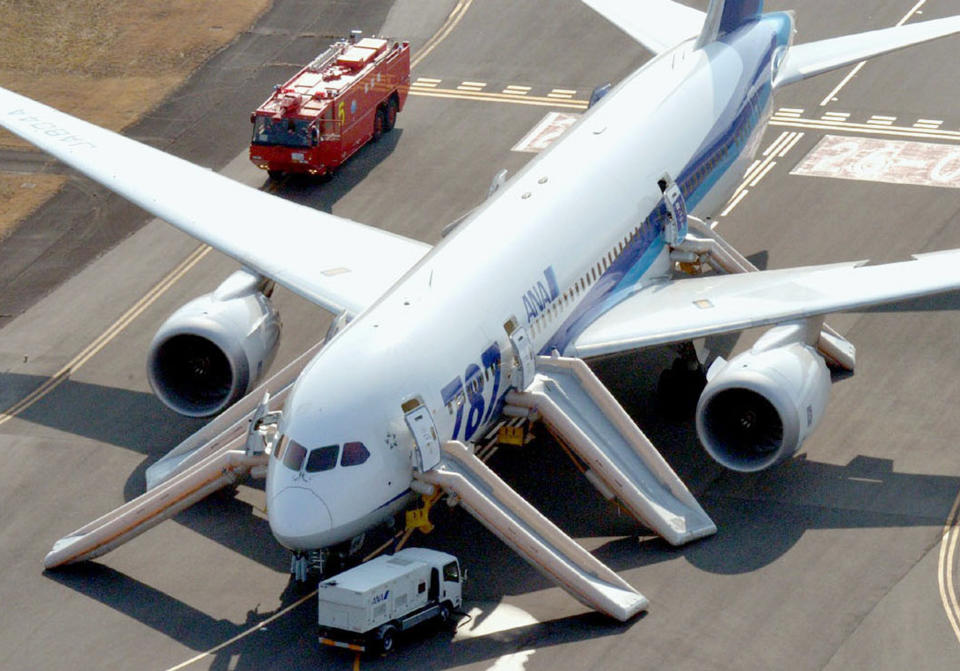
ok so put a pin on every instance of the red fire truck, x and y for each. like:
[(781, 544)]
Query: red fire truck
[(349, 95)]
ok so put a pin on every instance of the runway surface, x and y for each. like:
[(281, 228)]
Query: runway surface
[(837, 559)]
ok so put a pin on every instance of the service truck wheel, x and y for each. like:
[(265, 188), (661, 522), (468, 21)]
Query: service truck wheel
[(445, 616), (390, 120), (379, 121), (275, 175), (386, 638)]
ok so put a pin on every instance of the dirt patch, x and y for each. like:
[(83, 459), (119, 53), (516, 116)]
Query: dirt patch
[(110, 61), (22, 194), (106, 61)]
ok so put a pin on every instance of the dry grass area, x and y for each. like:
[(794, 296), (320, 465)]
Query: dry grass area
[(107, 61), (22, 194)]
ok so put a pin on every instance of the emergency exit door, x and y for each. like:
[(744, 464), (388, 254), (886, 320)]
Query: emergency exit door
[(523, 351), (425, 438), (675, 229)]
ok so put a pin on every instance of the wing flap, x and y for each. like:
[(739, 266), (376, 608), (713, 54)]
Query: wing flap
[(336, 263), (685, 309), (656, 24), (807, 60)]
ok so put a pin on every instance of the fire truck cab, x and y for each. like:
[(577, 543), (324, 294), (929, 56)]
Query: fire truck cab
[(347, 96)]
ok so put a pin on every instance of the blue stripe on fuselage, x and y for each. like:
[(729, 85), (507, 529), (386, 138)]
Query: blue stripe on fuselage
[(739, 122)]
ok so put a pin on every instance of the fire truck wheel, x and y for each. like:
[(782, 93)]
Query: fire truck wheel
[(390, 120), (379, 121), (275, 174)]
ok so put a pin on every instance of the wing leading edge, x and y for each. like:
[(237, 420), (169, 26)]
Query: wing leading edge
[(338, 264), (680, 310)]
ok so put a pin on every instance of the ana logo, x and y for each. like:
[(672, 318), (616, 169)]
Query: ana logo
[(381, 597), (540, 296)]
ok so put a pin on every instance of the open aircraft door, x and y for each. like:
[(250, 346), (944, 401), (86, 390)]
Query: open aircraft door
[(675, 229), (522, 351), (425, 438)]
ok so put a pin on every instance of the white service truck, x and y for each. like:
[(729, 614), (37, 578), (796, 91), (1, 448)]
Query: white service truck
[(366, 607)]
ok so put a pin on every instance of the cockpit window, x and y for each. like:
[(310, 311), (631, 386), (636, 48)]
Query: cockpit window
[(354, 454), (293, 455), (322, 458), (281, 446)]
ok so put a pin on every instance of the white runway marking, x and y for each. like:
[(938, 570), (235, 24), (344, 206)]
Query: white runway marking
[(832, 96), (888, 161)]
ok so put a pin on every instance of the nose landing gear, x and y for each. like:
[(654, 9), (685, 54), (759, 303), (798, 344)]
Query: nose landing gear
[(317, 564)]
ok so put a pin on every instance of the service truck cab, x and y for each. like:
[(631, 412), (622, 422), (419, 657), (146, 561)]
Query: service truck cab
[(347, 96), (366, 607)]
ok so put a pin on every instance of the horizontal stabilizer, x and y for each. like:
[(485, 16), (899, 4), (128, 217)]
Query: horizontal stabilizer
[(807, 60), (656, 24)]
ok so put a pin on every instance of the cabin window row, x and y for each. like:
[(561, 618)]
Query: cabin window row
[(588, 278)]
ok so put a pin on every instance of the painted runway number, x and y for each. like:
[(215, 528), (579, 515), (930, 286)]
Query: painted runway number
[(545, 133), (889, 161)]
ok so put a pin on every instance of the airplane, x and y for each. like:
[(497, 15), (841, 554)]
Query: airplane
[(433, 347)]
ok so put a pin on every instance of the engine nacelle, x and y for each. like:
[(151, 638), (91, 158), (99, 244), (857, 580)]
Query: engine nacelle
[(214, 349), (758, 408)]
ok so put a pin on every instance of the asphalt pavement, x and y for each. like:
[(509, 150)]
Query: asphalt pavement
[(833, 560)]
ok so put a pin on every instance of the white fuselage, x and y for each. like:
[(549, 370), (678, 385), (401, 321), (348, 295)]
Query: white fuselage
[(569, 236)]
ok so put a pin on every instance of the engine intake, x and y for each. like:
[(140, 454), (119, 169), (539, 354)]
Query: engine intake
[(214, 349), (758, 408)]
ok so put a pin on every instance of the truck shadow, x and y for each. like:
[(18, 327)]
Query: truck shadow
[(322, 193)]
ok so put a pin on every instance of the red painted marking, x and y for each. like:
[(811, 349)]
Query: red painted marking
[(545, 133)]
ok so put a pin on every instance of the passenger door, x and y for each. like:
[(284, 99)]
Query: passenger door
[(425, 438)]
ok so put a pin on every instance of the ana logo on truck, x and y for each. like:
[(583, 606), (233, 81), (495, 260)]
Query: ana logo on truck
[(381, 597)]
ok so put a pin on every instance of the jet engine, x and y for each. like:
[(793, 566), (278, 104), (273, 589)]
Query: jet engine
[(214, 349), (758, 408)]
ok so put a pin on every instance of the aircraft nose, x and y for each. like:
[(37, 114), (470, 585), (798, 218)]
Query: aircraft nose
[(298, 518)]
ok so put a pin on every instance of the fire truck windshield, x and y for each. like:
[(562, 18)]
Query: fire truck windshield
[(283, 132)]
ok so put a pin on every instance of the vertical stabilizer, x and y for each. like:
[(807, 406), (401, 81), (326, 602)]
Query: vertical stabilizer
[(725, 16)]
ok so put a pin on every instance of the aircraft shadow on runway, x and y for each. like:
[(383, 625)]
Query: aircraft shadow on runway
[(938, 303), (157, 610), (138, 422), (133, 420), (322, 193)]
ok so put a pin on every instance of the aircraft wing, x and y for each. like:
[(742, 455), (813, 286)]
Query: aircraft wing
[(338, 264), (656, 24), (685, 309), (814, 58)]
